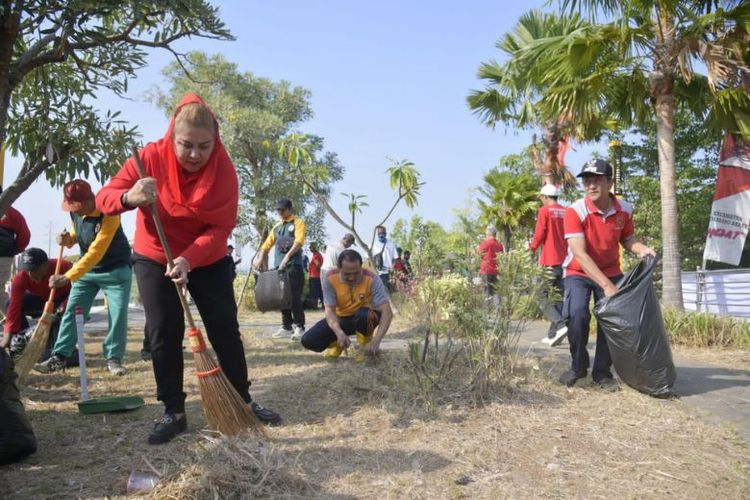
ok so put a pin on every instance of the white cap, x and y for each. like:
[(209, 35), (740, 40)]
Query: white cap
[(549, 190)]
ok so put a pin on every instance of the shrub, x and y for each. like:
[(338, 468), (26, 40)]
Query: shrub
[(467, 339), (706, 330)]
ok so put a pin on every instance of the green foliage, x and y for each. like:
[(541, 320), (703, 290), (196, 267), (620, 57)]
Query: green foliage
[(468, 343), (509, 201), (256, 116), (59, 56), (403, 176), (707, 330)]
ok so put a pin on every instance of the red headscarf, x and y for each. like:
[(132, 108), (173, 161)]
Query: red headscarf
[(214, 194)]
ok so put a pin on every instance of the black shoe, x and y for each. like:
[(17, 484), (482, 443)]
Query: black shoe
[(608, 384), (167, 428), (570, 377), (52, 364), (265, 415)]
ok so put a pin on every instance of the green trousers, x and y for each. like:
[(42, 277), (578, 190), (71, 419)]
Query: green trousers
[(116, 287)]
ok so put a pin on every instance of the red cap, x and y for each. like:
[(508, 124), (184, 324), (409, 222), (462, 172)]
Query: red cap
[(76, 193)]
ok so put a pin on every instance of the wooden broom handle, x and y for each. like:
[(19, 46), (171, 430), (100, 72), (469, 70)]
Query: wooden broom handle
[(164, 244), (51, 299)]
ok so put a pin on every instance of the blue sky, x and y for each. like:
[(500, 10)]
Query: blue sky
[(388, 79)]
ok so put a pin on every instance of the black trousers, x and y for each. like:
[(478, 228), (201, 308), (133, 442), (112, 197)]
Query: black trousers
[(296, 314), (316, 292), (16, 435), (320, 336), (211, 289), (553, 310), (33, 306), (578, 291)]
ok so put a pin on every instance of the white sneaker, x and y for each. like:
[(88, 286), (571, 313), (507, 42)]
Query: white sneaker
[(298, 333), (546, 340), (559, 336), (282, 333)]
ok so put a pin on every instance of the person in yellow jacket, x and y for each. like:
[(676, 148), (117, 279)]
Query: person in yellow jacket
[(104, 265), (287, 238), (356, 303)]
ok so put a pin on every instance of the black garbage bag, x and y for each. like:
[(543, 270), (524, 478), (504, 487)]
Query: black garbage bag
[(637, 339), (16, 435), (272, 291)]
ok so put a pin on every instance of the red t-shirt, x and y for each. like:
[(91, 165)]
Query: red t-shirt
[(603, 234), (12, 219), (550, 234), (315, 263), (489, 250), (23, 283)]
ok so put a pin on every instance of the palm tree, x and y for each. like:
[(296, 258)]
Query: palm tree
[(515, 88), (510, 201), (639, 68)]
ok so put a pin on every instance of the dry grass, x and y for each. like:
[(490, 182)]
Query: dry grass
[(353, 430)]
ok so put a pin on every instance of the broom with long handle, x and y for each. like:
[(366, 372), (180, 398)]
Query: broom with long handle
[(39, 338), (225, 410)]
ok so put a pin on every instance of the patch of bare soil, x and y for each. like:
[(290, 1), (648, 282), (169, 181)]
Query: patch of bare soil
[(350, 432)]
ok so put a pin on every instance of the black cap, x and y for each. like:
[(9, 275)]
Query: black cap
[(596, 167), (283, 203), (32, 258)]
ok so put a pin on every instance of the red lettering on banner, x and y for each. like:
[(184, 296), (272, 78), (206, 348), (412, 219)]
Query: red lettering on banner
[(718, 232)]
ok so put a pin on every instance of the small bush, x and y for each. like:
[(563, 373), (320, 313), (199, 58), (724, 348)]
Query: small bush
[(468, 340), (707, 330)]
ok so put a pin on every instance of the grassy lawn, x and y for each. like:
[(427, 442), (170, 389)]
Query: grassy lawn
[(356, 430)]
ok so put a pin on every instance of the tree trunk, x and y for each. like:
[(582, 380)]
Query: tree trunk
[(672, 278)]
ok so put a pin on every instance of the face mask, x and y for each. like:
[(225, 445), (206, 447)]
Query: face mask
[(381, 238)]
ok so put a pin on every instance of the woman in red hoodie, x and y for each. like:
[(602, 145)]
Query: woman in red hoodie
[(193, 184)]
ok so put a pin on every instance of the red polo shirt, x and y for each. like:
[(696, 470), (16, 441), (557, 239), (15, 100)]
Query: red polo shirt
[(550, 234), (23, 283), (489, 250), (603, 233), (315, 263)]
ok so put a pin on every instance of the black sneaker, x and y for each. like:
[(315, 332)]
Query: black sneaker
[(265, 415), (608, 384), (52, 364), (570, 377), (167, 428)]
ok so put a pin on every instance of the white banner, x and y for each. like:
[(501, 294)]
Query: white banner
[(730, 212)]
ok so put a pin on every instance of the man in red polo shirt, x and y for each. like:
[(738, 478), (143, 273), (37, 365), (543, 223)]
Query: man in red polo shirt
[(550, 235), (488, 250), (595, 226)]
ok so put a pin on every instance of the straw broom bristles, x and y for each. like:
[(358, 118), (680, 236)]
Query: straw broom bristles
[(225, 409), (38, 342)]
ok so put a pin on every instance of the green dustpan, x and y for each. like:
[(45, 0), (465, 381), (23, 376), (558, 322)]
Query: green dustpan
[(105, 404), (109, 404)]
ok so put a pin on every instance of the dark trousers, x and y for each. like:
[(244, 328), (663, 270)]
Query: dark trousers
[(553, 309), (578, 290), (320, 336), (211, 289), (316, 292), (16, 435), (296, 314), (33, 307), (490, 284), (386, 279)]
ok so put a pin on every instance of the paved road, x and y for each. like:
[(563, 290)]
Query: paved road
[(721, 395)]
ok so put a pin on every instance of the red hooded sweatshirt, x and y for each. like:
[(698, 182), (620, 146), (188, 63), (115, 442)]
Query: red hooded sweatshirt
[(198, 210)]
